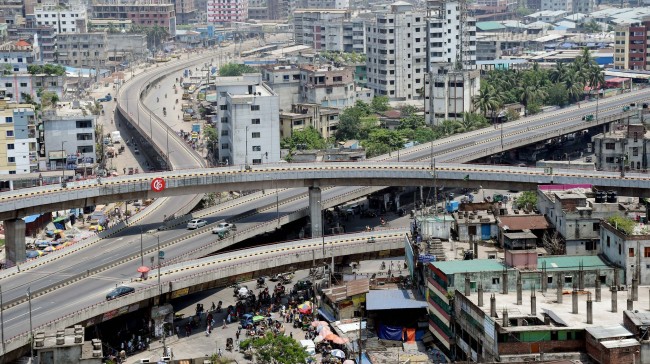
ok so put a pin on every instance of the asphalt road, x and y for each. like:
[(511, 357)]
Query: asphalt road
[(127, 242)]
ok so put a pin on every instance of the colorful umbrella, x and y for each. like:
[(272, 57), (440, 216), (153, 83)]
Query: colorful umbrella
[(49, 249), (59, 247), (258, 318), (305, 308), (338, 353), (143, 269), (32, 254), (336, 339)]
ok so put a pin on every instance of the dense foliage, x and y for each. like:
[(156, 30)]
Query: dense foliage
[(278, 349), (47, 69), (308, 138), (344, 58), (535, 87), (527, 199), (235, 69), (622, 223)]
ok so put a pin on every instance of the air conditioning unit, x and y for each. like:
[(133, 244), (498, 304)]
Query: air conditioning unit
[(166, 359), (145, 360)]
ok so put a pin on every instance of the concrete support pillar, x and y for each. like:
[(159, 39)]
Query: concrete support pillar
[(590, 310), (581, 280), (559, 286), (635, 289), (480, 294), (544, 280), (506, 320), (15, 241), (475, 249), (467, 286), (630, 304), (315, 212), (520, 298), (574, 300), (614, 291), (533, 304), (493, 306), (504, 282), (598, 289)]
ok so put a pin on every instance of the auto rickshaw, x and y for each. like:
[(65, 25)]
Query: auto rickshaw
[(229, 344)]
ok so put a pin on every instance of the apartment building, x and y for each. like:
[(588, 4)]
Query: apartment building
[(624, 145), (285, 81), (333, 30), (17, 55), (142, 14), (327, 86), (18, 146), (186, 11), (302, 116), (452, 35), (247, 120), (631, 46), (629, 250), (69, 139), (70, 17), (397, 51), (45, 37), (227, 11), (85, 50), (323, 4), (10, 10), (451, 92)]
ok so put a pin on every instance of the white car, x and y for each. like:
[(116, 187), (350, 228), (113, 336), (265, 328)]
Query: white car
[(196, 223), (223, 227)]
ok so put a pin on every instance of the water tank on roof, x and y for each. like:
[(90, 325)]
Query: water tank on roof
[(611, 197), (600, 196)]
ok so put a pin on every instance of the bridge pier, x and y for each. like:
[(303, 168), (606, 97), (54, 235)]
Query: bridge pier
[(15, 241), (315, 215)]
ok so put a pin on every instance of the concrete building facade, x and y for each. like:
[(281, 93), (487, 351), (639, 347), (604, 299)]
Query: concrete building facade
[(247, 120), (397, 52), (327, 86), (185, 11), (631, 45), (450, 92), (304, 115), (69, 139), (285, 81), (45, 35), (64, 18), (332, 30), (143, 14), (627, 146), (227, 11), (18, 146), (85, 50), (628, 250)]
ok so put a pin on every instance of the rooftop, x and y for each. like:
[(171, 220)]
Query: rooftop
[(608, 332), (569, 263), (469, 266), (524, 222), (390, 299)]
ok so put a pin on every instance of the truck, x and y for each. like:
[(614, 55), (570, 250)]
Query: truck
[(187, 117), (106, 98), (116, 137), (589, 117)]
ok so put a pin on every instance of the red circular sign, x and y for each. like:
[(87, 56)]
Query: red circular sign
[(158, 184)]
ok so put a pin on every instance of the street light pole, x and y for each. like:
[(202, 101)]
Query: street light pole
[(141, 249), (31, 328)]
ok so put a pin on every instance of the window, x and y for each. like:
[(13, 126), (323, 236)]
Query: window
[(608, 241), (568, 279), (255, 107), (255, 135), (10, 133), (646, 252), (596, 226), (23, 84), (224, 146), (85, 149), (255, 121), (11, 159), (635, 151), (630, 252), (257, 161), (610, 146), (620, 249), (9, 119), (81, 124), (8, 84), (223, 107), (224, 119), (549, 279), (224, 133), (84, 136), (10, 146), (257, 148), (495, 280)]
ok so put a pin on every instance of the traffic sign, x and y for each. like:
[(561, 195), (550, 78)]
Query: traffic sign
[(161, 255), (158, 184)]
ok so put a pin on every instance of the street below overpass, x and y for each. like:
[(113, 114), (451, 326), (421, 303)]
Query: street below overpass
[(58, 309)]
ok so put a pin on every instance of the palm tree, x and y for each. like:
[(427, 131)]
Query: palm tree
[(530, 93), (470, 122), (447, 127), (596, 78), (558, 73), (574, 85), (487, 99)]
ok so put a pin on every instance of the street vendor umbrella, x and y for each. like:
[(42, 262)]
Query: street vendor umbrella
[(258, 318), (305, 308), (48, 249), (338, 353), (143, 269), (348, 361), (335, 338), (32, 254)]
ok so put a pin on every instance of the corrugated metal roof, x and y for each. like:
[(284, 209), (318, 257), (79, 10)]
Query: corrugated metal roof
[(388, 299), (604, 332), (523, 222), (568, 263), (609, 344), (489, 25), (358, 286), (469, 266)]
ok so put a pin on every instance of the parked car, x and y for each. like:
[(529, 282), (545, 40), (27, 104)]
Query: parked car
[(119, 292), (223, 227), (106, 98), (196, 223)]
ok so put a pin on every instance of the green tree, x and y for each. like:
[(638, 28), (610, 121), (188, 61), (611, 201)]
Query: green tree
[(379, 104), (592, 26), (310, 138), (596, 78), (412, 122), (350, 121), (556, 94), (527, 199), (622, 223), (407, 110), (470, 122), (381, 141), (278, 349), (211, 137), (235, 69), (488, 99), (447, 127), (512, 114)]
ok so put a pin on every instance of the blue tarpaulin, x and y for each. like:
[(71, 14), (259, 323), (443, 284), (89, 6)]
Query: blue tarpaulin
[(326, 315), (386, 332), (31, 218)]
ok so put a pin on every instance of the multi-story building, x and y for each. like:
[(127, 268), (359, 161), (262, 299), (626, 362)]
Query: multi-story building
[(575, 217), (45, 37), (227, 11), (557, 5), (327, 86), (452, 36), (627, 146), (143, 14), (631, 46), (333, 30), (125, 47), (451, 92), (185, 11), (583, 6), (86, 50), (397, 52), (303, 116), (17, 55), (247, 120), (69, 139), (629, 250), (10, 9), (18, 147), (285, 81), (107, 25), (64, 18)]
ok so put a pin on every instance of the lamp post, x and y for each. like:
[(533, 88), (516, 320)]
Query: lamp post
[(63, 155), (141, 249), (31, 328)]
